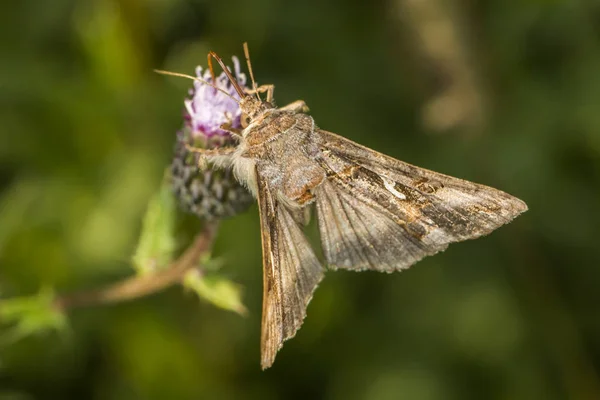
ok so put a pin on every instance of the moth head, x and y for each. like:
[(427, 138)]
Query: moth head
[(252, 108)]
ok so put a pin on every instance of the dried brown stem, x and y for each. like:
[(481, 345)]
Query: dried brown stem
[(140, 286), (440, 37)]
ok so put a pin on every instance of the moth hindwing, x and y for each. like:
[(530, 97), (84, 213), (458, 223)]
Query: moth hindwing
[(374, 212)]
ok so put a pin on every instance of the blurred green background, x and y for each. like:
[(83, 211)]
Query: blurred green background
[(505, 93)]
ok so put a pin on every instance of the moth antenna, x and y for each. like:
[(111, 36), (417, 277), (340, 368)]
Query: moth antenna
[(247, 54), (233, 81), (195, 78), (210, 68)]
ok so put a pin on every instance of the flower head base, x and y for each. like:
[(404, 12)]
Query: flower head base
[(207, 108), (206, 192)]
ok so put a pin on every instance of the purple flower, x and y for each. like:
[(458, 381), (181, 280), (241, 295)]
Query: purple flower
[(207, 108)]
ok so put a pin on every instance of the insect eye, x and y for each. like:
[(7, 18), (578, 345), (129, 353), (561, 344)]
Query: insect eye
[(245, 120)]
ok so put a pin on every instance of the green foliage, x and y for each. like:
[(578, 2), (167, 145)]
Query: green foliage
[(28, 315), (217, 290), (157, 240)]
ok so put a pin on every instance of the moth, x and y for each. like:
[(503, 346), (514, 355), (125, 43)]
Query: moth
[(374, 212)]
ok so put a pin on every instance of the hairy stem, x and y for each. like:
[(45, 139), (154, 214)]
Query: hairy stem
[(143, 285)]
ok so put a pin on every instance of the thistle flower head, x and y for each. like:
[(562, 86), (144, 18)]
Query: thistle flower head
[(207, 108), (206, 192)]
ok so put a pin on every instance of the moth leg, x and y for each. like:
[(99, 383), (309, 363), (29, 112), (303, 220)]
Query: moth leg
[(235, 132), (296, 106), (206, 153), (219, 151), (227, 126), (269, 89)]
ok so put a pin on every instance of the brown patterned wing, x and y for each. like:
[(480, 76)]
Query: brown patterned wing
[(291, 273), (376, 212)]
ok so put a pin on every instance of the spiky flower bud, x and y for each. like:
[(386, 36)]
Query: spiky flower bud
[(209, 193)]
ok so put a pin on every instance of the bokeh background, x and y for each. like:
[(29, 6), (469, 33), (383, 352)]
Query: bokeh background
[(501, 92)]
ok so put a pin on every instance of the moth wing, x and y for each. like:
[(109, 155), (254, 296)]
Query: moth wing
[(291, 273), (376, 212)]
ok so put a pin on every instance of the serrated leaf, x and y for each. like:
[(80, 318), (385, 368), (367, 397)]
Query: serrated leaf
[(217, 290), (28, 315), (157, 243)]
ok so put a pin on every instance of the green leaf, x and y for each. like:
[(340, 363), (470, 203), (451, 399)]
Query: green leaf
[(157, 243), (28, 315), (217, 290)]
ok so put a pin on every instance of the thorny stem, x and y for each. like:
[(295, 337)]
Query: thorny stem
[(143, 285)]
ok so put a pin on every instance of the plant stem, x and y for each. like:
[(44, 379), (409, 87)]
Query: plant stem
[(143, 285)]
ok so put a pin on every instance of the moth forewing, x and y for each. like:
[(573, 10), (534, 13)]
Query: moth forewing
[(291, 273), (376, 212)]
